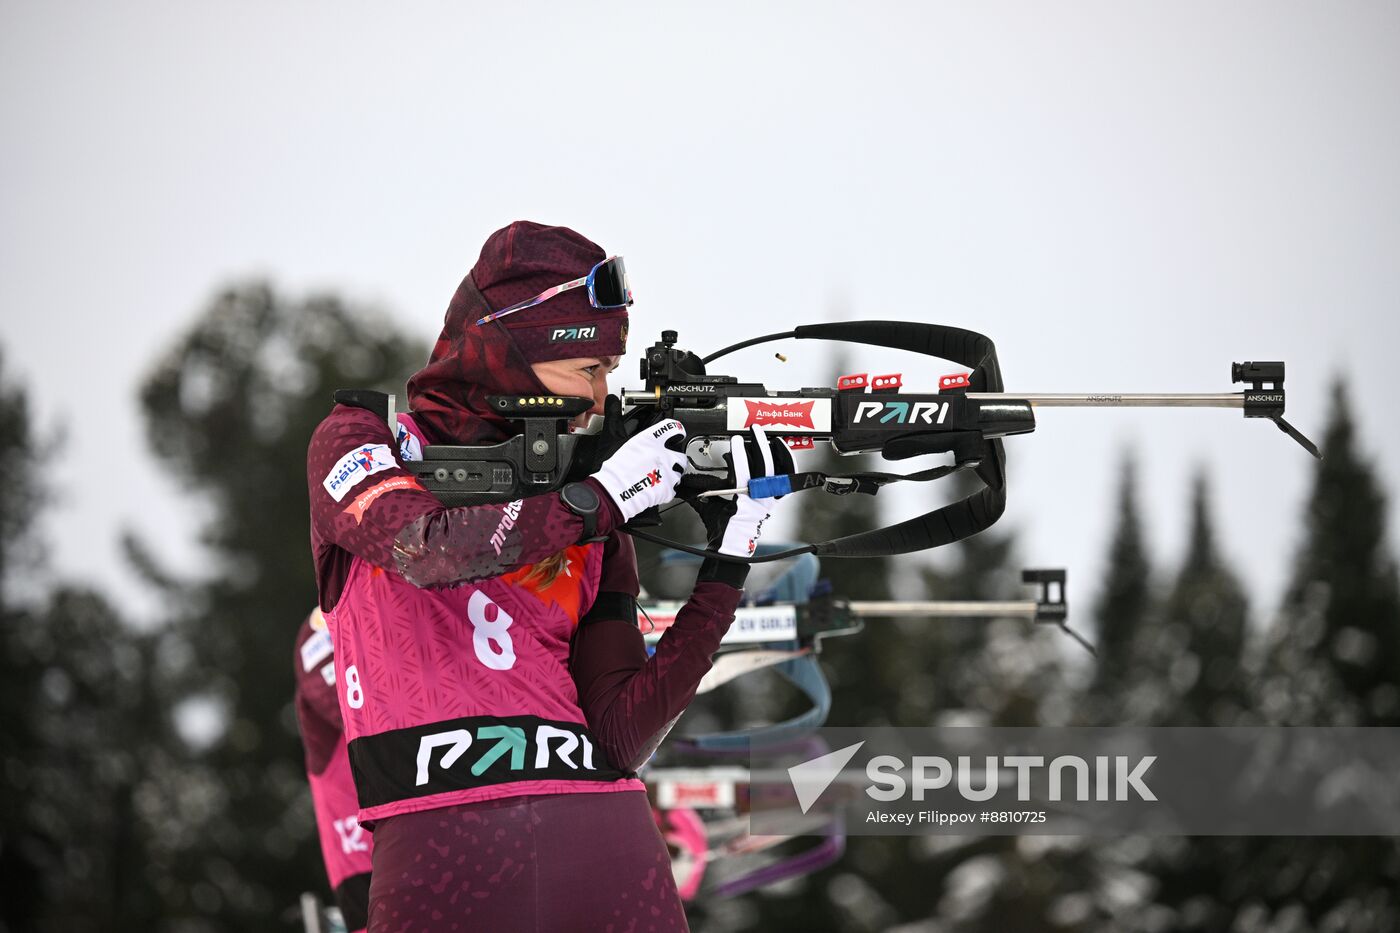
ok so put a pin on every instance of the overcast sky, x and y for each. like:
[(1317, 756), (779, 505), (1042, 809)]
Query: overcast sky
[(1125, 197)]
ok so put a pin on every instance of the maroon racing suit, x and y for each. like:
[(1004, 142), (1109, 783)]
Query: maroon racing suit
[(625, 698)]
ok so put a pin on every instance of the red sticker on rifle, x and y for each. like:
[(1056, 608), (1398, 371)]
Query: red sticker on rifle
[(958, 381), (853, 381), (789, 414), (796, 413), (697, 795)]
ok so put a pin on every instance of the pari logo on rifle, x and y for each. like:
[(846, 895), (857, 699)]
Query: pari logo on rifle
[(901, 412)]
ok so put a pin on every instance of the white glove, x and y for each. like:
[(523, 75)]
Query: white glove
[(735, 523), (745, 526), (645, 471)]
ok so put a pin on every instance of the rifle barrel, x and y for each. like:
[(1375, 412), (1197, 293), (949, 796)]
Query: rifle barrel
[(1071, 399), (1120, 399), (956, 610)]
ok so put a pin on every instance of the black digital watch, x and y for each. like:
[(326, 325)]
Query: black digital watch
[(582, 500)]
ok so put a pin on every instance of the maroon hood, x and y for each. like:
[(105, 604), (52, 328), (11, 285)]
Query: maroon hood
[(471, 361)]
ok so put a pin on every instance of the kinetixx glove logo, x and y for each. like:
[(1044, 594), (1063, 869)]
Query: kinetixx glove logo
[(646, 482)]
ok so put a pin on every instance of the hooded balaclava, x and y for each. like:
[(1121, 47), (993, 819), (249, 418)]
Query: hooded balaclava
[(471, 361)]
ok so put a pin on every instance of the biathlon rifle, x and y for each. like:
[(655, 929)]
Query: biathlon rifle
[(967, 417), (785, 632)]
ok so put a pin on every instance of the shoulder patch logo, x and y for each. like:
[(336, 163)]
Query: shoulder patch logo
[(355, 466)]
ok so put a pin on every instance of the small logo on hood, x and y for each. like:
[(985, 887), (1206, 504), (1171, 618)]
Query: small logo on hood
[(568, 334)]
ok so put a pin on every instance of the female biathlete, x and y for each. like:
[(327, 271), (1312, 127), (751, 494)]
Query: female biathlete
[(345, 845), (496, 693)]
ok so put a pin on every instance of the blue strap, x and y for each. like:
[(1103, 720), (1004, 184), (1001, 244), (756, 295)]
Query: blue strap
[(794, 586), (796, 583), (805, 674)]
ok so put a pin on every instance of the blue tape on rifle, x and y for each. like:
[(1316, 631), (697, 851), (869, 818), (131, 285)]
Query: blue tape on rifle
[(766, 487)]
